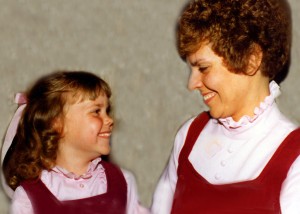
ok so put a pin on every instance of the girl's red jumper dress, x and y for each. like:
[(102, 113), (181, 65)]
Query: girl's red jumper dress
[(112, 202), (194, 194)]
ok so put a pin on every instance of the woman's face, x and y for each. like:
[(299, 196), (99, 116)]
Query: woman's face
[(226, 94)]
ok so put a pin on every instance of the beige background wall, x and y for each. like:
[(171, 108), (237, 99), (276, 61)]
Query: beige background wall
[(129, 43)]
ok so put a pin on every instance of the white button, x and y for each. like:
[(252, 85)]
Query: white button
[(223, 163), (230, 150), (217, 176), (81, 185)]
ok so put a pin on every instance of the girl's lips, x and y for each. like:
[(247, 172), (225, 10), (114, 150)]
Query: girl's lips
[(207, 97), (105, 134)]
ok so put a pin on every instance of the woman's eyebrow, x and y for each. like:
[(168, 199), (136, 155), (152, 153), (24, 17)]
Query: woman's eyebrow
[(196, 62)]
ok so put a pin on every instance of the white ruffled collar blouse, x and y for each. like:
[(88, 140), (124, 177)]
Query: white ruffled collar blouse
[(247, 121)]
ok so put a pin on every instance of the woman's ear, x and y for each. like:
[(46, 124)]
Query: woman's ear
[(255, 60)]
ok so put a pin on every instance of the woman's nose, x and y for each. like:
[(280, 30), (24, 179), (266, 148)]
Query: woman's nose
[(195, 80)]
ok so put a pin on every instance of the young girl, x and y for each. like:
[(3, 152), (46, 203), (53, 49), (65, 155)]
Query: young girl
[(54, 164)]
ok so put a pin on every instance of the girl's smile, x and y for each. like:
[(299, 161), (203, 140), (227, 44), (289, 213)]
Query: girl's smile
[(104, 134)]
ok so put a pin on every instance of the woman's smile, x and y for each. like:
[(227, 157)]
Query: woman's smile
[(208, 97)]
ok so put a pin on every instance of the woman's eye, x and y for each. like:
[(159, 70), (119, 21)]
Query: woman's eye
[(203, 69)]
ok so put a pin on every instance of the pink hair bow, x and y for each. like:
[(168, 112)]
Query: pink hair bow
[(20, 99)]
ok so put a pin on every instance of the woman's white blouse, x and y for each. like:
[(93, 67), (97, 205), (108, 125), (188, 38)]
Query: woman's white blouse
[(227, 152)]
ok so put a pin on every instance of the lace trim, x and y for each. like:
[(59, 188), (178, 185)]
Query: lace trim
[(268, 101), (93, 166)]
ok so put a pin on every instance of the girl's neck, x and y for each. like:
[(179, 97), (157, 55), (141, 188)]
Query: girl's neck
[(76, 165), (74, 169)]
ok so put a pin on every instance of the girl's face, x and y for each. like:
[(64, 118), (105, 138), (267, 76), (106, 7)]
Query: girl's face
[(87, 128), (226, 94)]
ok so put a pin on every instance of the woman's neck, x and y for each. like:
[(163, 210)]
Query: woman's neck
[(257, 91)]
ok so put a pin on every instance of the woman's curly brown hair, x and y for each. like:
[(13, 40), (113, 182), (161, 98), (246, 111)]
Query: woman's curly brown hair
[(35, 144), (235, 28)]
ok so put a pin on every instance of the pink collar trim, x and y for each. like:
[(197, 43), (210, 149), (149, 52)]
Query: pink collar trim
[(93, 166)]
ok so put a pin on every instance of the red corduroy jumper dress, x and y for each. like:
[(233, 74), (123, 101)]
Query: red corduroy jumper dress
[(194, 194), (112, 202)]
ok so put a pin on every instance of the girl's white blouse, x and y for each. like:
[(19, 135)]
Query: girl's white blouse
[(227, 152)]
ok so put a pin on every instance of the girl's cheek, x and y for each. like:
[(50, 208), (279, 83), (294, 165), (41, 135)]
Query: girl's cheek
[(99, 123)]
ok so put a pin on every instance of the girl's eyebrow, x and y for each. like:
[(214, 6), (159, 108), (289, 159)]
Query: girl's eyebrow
[(101, 105), (93, 105), (97, 105)]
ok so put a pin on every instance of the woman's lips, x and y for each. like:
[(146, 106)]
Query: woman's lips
[(208, 96)]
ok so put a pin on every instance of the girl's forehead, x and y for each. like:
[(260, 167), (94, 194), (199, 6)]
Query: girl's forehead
[(80, 96), (83, 103)]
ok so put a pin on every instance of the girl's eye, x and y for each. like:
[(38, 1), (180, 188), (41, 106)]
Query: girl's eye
[(97, 111), (108, 110)]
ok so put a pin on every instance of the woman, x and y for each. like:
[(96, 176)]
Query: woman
[(242, 155)]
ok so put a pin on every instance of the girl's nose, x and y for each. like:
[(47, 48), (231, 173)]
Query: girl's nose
[(195, 80), (108, 121)]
